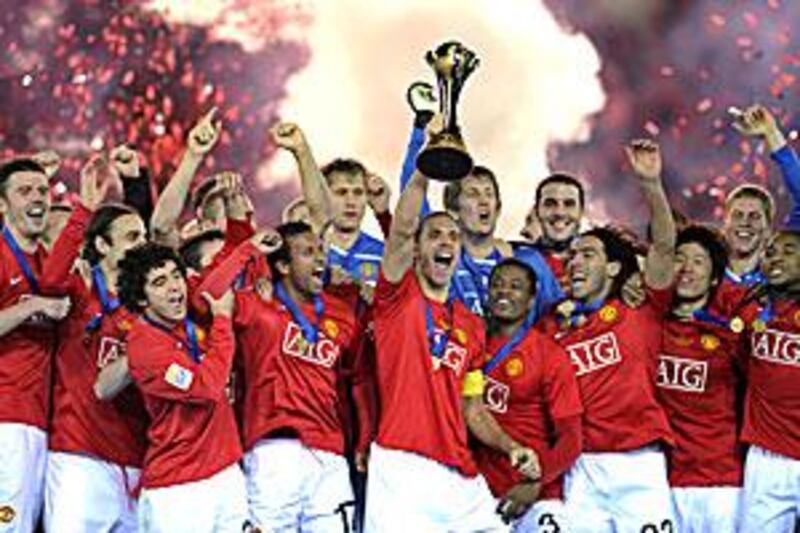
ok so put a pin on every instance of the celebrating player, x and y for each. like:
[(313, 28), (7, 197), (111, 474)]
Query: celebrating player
[(532, 392), (429, 358), (772, 404), (96, 448), (620, 482), (26, 342), (191, 480), (698, 385)]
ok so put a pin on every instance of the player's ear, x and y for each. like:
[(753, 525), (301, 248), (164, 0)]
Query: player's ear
[(613, 269), (283, 268), (101, 245)]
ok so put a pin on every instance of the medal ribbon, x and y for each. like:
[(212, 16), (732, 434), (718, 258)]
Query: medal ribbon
[(310, 331), (107, 305), (22, 261)]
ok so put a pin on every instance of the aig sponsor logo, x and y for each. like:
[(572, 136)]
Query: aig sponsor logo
[(594, 354), (324, 352), (496, 395), (681, 374), (777, 347), (109, 351)]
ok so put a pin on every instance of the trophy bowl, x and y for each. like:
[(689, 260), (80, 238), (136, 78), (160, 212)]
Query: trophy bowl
[(445, 156)]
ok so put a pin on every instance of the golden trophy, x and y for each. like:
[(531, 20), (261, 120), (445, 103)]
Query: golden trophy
[(445, 157)]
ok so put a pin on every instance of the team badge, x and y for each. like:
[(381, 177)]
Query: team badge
[(710, 342), (124, 325), (7, 514), (367, 270), (608, 313), (736, 324), (179, 377), (460, 335), (759, 325), (331, 329), (514, 367)]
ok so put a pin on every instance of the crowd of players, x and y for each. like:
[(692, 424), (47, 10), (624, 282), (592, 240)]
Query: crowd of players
[(211, 375)]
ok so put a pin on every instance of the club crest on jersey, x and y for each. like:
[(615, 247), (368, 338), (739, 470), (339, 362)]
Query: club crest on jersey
[(709, 342), (179, 377), (514, 367), (324, 352), (594, 354), (759, 326), (368, 270), (331, 328), (777, 347), (124, 325), (496, 395), (7, 514), (685, 375), (608, 314), (460, 335), (109, 351)]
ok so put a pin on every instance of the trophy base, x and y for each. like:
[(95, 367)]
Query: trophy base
[(444, 163)]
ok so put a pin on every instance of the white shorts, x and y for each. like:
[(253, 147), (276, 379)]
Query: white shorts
[(83, 493), (23, 456), (620, 491), (707, 509), (217, 504), (408, 492), (544, 516), (771, 492), (291, 487)]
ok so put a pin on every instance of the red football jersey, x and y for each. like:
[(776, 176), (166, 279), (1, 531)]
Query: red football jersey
[(772, 402), (291, 385), (698, 384), (192, 433), (531, 387), (25, 351), (110, 430), (421, 400), (558, 265), (728, 297), (614, 356)]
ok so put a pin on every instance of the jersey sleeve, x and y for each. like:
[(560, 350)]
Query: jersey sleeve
[(58, 275), (415, 144), (163, 370), (560, 384), (221, 276)]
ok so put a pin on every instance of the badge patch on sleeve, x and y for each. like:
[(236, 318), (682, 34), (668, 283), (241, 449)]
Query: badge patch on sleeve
[(179, 377)]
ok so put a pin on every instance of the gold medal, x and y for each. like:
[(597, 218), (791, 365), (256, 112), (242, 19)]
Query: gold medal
[(759, 325), (736, 325), (514, 367), (608, 313), (710, 342)]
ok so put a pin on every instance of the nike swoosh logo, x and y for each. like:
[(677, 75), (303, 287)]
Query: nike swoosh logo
[(15, 281)]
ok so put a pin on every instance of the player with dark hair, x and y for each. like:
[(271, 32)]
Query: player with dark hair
[(191, 480), (429, 357), (26, 341), (699, 379), (295, 350), (532, 392), (620, 481), (772, 403), (96, 447)]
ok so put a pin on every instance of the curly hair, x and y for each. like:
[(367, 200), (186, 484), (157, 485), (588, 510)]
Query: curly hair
[(136, 266)]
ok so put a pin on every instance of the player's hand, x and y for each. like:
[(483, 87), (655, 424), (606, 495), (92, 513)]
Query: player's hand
[(267, 240), (205, 134), (518, 500), (52, 308), (526, 461), (289, 136), (94, 188), (644, 156), (49, 160), (378, 193), (633, 292), (361, 460), (755, 121), (421, 98), (125, 161), (222, 306), (367, 292)]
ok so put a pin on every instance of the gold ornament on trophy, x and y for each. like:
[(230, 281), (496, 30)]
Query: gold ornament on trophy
[(445, 157)]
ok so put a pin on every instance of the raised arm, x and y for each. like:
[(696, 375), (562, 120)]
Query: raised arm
[(136, 190), (645, 158), (312, 182), (398, 254), (170, 204), (757, 121), (422, 101)]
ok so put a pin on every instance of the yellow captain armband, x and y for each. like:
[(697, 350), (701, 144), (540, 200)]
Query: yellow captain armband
[(474, 382)]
